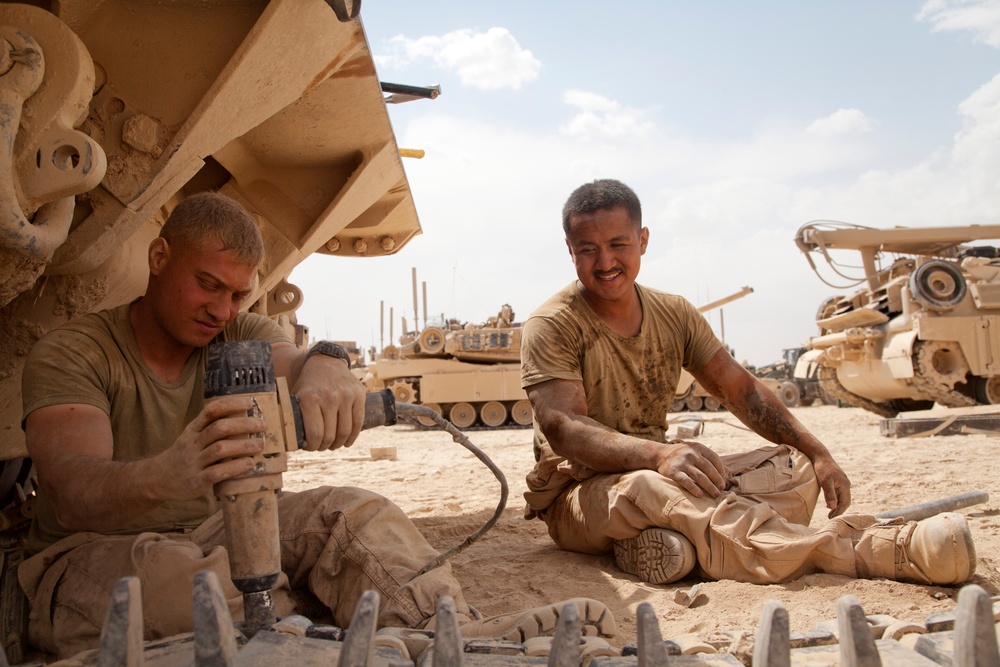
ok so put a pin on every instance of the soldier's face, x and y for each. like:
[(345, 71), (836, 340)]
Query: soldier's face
[(203, 289), (606, 247)]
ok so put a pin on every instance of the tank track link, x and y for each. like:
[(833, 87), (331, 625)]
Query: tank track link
[(967, 636), (507, 426), (831, 385), (925, 380)]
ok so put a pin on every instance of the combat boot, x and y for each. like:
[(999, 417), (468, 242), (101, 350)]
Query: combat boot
[(938, 550), (656, 555), (595, 617)]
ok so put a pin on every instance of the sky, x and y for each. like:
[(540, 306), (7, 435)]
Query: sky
[(735, 122)]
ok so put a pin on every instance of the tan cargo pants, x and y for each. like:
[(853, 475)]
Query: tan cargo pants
[(336, 543), (758, 532)]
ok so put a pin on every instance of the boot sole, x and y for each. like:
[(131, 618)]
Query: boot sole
[(596, 619), (656, 555)]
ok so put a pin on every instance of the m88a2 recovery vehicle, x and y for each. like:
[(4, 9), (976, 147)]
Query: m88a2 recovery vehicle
[(923, 328)]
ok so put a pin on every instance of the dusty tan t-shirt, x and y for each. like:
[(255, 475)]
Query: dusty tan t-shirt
[(94, 360), (629, 381)]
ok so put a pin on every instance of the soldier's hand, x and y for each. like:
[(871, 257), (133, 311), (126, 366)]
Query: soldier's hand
[(215, 446), (835, 484), (332, 402), (694, 466)]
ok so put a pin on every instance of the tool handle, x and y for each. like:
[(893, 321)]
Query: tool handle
[(380, 410)]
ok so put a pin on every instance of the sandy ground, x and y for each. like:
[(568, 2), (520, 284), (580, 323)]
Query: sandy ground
[(450, 494)]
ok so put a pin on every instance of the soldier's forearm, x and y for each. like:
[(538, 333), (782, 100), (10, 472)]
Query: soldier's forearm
[(763, 412)]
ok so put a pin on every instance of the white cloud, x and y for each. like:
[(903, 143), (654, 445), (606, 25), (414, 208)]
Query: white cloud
[(487, 60), (601, 118), (723, 214), (841, 122), (981, 17)]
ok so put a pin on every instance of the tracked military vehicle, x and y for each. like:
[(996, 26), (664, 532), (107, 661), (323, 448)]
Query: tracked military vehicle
[(923, 327), (469, 373), (690, 395), (114, 111)]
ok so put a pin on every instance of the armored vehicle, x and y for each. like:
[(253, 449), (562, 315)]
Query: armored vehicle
[(114, 111), (921, 328), (469, 373)]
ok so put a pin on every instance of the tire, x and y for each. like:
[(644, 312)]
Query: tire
[(694, 403), (712, 404), (789, 394)]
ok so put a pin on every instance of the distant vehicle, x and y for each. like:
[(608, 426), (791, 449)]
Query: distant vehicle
[(923, 328), (690, 395), (469, 373), (797, 374)]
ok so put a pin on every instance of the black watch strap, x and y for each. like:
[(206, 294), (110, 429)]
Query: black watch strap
[(329, 349)]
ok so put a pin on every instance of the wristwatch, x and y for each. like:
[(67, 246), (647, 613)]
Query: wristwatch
[(329, 349)]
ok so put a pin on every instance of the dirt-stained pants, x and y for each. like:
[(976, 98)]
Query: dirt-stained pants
[(757, 532), (336, 543)]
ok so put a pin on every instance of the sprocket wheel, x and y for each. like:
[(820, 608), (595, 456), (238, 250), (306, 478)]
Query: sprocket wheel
[(941, 362), (403, 391)]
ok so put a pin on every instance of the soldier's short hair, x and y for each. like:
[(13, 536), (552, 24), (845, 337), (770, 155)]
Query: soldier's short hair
[(213, 216), (599, 195)]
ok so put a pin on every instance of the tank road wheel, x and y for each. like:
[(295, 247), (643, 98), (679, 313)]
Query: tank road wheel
[(427, 421), (462, 415), (789, 393), (493, 413), (403, 391), (987, 389), (694, 403), (938, 285), (431, 340), (712, 403), (521, 412)]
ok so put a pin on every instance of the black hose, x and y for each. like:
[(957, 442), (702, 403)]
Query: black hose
[(410, 410)]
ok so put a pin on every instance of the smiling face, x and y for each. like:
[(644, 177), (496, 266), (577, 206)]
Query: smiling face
[(196, 290), (606, 246)]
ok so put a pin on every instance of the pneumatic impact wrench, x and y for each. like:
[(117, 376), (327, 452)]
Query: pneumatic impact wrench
[(250, 501)]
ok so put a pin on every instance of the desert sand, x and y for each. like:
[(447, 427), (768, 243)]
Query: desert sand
[(450, 494)]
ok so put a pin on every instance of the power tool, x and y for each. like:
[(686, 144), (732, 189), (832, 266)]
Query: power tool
[(250, 501)]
